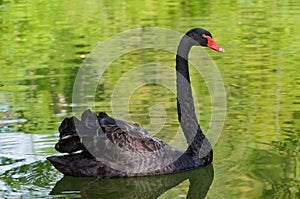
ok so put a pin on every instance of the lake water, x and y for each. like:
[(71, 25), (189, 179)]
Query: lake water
[(44, 45)]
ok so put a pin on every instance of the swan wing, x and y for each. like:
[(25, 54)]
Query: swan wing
[(117, 144), (129, 136)]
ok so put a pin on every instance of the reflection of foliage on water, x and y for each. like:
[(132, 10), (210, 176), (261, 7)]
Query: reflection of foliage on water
[(44, 42), (289, 147), (288, 185), (8, 161), (279, 173), (33, 179)]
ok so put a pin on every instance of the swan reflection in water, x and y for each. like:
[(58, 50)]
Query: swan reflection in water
[(200, 181)]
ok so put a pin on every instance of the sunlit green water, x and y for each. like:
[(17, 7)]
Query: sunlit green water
[(43, 44)]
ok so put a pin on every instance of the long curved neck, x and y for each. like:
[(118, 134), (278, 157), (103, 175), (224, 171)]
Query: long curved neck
[(185, 103)]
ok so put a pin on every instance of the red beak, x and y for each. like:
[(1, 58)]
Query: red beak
[(212, 44)]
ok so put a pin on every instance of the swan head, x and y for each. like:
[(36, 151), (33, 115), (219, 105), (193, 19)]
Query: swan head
[(204, 38)]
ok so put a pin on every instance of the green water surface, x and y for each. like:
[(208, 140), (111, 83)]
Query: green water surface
[(43, 45)]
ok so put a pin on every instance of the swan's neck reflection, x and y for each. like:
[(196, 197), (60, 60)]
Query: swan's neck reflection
[(137, 187)]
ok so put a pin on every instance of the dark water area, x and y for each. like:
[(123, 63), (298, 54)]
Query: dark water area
[(44, 45)]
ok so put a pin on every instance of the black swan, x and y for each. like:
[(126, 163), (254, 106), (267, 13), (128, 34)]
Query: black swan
[(113, 148)]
